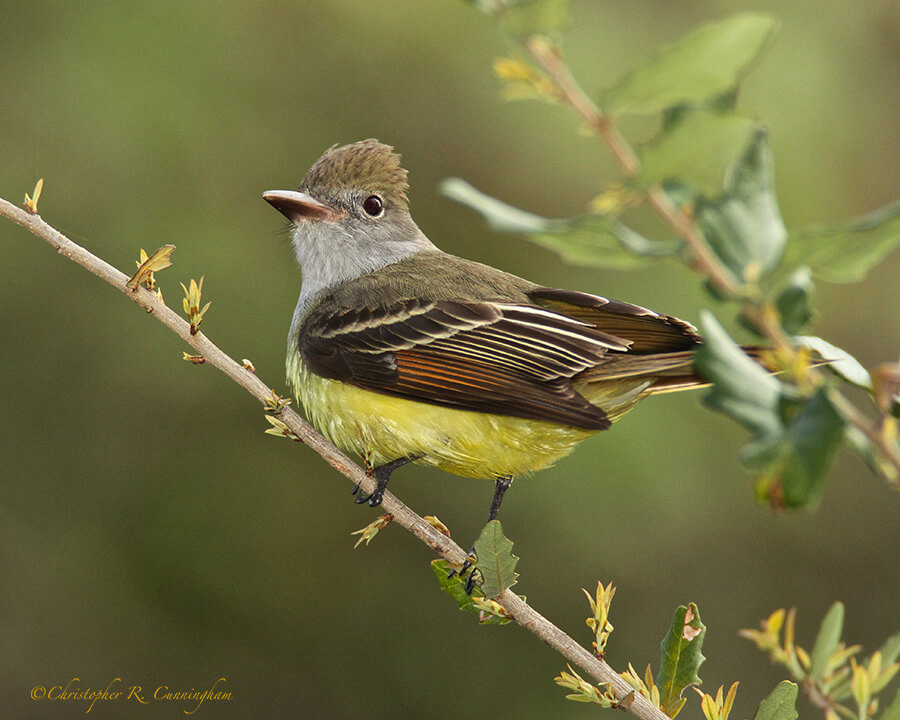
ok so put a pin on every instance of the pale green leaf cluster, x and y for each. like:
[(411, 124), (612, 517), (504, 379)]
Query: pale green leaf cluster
[(832, 672), (718, 706), (586, 692), (368, 533), (680, 659), (599, 619), (191, 301)]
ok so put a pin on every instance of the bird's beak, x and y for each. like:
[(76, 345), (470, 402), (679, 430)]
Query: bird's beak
[(297, 206)]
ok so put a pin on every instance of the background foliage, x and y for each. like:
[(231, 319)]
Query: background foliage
[(150, 530)]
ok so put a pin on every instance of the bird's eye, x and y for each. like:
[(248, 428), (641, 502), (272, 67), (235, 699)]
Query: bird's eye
[(373, 205)]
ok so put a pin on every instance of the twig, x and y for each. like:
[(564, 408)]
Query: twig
[(753, 308), (549, 58), (874, 431), (681, 223), (520, 611)]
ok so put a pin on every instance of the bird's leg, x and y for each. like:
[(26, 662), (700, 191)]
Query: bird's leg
[(500, 487), (382, 475)]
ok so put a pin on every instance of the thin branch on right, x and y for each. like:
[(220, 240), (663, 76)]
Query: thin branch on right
[(708, 175)]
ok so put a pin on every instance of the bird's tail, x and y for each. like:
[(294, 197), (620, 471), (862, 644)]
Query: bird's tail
[(667, 372)]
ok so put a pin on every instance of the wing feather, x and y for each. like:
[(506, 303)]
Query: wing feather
[(508, 358), (504, 358)]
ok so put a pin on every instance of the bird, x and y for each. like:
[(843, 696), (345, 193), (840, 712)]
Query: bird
[(402, 353)]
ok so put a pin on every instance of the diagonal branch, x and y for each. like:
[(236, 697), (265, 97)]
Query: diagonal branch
[(549, 58), (759, 313), (520, 611)]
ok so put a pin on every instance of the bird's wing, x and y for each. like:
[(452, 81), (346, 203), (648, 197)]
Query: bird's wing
[(646, 331), (504, 358)]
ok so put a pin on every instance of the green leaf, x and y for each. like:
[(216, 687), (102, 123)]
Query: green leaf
[(452, 585), (892, 711), (499, 215), (496, 562), (744, 226), (706, 63), (871, 455), (810, 444), (827, 640), (591, 240), (536, 17), (741, 388), (781, 704), (890, 650), (792, 457), (794, 302), (456, 588), (680, 657), (842, 364), (594, 241), (695, 150), (845, 253)]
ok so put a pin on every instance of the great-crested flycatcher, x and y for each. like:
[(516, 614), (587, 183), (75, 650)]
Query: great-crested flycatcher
[(402, 353)]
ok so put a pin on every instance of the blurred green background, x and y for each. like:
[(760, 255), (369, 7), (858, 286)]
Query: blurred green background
[(150, 530)]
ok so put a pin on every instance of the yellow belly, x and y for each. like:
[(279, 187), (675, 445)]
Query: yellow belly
[(381, 428)]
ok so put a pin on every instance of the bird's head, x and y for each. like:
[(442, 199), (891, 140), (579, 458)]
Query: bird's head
[(350, 214)]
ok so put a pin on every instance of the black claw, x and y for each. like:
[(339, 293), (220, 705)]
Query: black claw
[(467, 567), (374, 500), (382, 475)]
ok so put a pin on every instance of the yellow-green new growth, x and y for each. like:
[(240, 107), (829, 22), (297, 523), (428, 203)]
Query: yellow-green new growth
[(645, 686), (368, 533), (599, 620), (275, 403), (280, 429), (31, 203), (192, 296), (521, 81), (584, 691), (718, 707), (831, 674), (147, 266)]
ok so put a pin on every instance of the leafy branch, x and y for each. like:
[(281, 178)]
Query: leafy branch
[(708, 175), (286, 422)]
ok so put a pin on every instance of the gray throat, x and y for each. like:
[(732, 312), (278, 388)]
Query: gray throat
[(330, 254)]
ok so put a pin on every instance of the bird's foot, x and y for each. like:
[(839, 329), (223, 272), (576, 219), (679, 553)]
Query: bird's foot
[(374, 499), (468, 567), (382, 475)]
